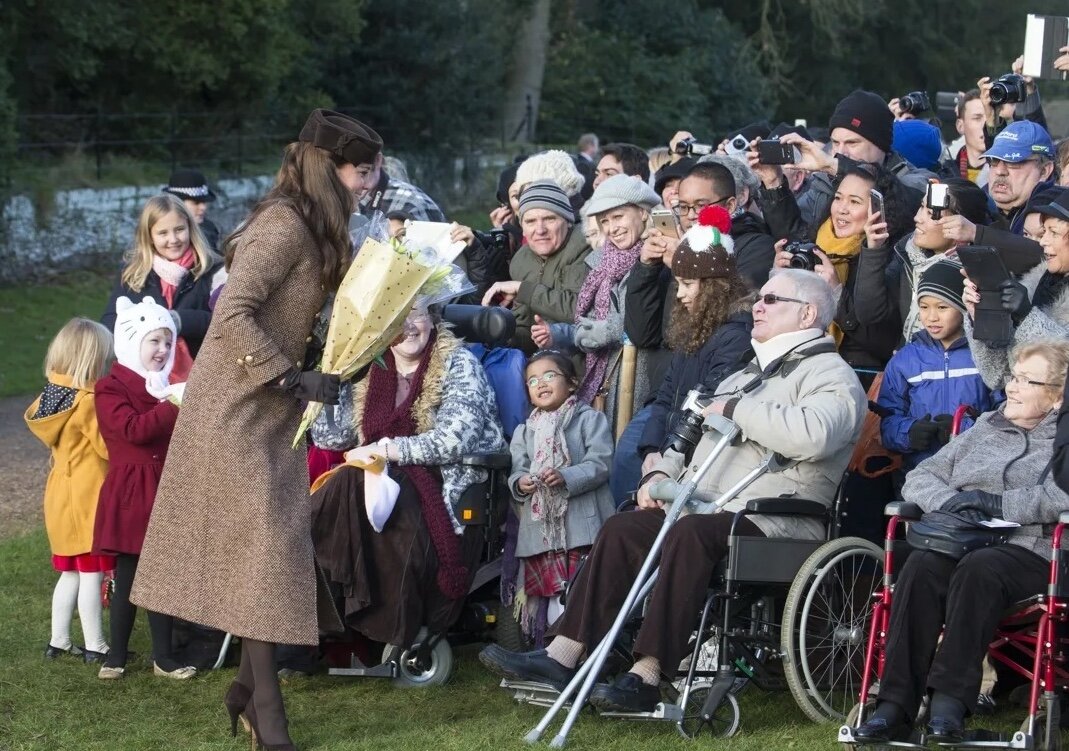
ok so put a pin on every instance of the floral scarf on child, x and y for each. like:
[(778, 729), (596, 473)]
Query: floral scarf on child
[(550, 505), (172, 274)]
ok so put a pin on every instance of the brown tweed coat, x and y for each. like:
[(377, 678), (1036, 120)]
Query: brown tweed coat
[(229, 543)]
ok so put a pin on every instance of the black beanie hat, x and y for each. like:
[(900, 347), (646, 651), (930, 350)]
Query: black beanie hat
[(867, 115), (944, 281)]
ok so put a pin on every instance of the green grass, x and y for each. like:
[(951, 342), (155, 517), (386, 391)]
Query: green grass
[(30, 315), (62, 706)]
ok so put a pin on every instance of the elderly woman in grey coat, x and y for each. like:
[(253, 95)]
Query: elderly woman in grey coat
[(429, 406), (560, 482), (997, 469)]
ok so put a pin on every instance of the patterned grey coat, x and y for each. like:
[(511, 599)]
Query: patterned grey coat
[(1051, 322), (229, 543), (456, 414)]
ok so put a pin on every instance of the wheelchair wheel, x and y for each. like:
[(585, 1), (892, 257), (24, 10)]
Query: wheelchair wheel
[(1048, 726), (825, 626), (414, 671), (725, 720)]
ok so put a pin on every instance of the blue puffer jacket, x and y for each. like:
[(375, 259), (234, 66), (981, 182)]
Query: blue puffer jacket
[(925, 379)]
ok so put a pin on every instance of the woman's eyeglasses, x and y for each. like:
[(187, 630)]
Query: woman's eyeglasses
[(1020, 380), (548, 377), (770, 299)]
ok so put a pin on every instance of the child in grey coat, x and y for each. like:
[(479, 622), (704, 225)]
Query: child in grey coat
[(560, 482)]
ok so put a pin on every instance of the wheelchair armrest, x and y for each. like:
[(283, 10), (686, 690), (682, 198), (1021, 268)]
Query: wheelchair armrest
[(487, 461), (903, 510), (1063, 518), (792, 506)]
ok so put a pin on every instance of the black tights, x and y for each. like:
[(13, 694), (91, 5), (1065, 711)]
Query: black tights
[(259, 672), (123, 613)]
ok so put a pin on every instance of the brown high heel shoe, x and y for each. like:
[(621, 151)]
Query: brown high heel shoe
[(254, 734), (236, 699)]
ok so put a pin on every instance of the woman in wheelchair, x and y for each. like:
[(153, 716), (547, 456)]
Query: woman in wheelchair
[(427, 408), (995, 470)]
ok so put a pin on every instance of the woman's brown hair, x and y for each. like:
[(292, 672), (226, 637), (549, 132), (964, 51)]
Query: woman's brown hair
[(718, 298), (308, 183)]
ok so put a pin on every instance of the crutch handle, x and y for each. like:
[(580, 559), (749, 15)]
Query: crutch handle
[(669, 490), (720, 424)]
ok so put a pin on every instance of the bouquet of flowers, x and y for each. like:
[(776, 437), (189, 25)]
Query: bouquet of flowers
[(372, 302)]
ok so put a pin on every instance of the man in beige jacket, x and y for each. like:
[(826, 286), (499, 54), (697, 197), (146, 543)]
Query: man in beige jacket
[(799, 398)]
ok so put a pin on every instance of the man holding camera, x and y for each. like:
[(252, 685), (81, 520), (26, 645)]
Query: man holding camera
[(798, 398), (862, 129), (1020, 164)]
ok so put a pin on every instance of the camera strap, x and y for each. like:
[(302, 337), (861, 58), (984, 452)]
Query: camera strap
[(781, 363)]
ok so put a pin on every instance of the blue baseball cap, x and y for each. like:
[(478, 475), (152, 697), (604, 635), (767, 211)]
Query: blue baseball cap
[(1019, 141)]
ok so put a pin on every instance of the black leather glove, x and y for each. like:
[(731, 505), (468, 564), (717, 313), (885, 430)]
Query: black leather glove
[(988, 504), (945, 424), (922, 433), (310, 386), (1015, 300)]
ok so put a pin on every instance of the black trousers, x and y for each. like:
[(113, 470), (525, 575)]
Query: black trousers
[(966, 600), (693, 547)]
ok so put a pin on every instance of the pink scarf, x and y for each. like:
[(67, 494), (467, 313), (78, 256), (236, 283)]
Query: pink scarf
[(595, 300), (172, 274)]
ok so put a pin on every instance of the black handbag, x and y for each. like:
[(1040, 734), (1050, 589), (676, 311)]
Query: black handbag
[(953, 535)]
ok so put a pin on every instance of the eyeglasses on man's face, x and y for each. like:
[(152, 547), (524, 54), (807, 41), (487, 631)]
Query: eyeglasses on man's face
[(686, 209), (770, 299)]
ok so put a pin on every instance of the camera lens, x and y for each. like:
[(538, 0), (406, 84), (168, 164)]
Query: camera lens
[(739, 143), (999, 94), (802, 261)]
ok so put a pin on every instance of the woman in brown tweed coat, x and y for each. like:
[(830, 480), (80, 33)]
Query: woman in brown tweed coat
[(229, 542)]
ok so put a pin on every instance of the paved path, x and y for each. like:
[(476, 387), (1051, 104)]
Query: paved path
[(23, 469)]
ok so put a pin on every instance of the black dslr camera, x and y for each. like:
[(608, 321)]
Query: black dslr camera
[(914, 102), (1008, 89), (496, 239), (802, 255), (687, 430), (690, 147)]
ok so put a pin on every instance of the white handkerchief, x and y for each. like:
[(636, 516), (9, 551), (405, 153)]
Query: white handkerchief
[(380, 496)]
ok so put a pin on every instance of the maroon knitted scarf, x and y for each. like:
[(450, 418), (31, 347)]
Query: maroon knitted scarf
[(595, 300), (383, 420)]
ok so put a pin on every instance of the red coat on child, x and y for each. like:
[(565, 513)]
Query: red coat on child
[(137, 429)]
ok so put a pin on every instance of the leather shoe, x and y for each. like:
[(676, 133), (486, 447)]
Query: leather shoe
[(945, 729), (90, 656), (626, 694), (52, 653), (536, 666), (877, 730)]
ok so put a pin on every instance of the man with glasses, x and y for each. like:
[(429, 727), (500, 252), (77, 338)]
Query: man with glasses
[(797, 397)]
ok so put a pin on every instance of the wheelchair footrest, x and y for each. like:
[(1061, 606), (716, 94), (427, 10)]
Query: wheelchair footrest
[(531, 692), (973, 739), (664, 712), (357, 669)]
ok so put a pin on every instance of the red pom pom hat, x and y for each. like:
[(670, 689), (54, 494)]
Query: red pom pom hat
[(707, 251)]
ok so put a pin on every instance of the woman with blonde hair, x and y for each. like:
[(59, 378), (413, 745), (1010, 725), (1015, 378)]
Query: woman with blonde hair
[(171, 262), (229, 544)]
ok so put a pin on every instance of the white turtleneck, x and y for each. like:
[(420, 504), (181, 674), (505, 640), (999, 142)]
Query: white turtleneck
[(780, 344)]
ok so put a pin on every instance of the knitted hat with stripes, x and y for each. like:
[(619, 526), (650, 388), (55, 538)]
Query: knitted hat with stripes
[(546, 194), (943, 280)]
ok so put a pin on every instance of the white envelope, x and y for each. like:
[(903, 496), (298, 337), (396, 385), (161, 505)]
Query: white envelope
[(433, 235), (380, 496)]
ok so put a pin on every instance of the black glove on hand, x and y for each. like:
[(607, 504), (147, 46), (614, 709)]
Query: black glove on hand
[(945, 424), (922, 433), (988, 504), (310, 386), (1015, 300)]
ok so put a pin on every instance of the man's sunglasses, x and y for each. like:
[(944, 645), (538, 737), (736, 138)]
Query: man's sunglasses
[(770, 299)]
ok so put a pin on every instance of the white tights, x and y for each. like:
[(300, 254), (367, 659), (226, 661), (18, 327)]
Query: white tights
[(83, 590)]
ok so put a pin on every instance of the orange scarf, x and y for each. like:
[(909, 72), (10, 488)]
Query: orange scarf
[(839, 249)]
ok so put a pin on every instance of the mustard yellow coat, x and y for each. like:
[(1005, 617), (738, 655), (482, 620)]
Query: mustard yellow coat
[(79, 463)]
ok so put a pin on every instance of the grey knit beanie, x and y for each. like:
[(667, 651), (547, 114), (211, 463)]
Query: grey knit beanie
[(546, 194), (621, 190)]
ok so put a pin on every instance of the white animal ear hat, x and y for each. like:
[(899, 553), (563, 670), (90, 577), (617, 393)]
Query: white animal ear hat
[(132, 324)]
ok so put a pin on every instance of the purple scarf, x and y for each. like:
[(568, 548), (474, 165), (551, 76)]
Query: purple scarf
[(594, 302)]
